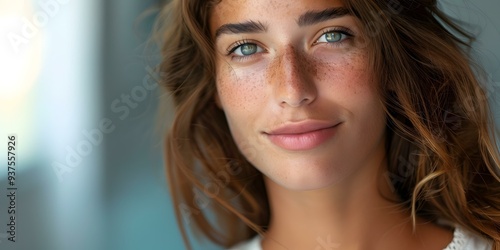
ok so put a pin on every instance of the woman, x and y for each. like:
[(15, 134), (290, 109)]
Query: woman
[(328, 125)]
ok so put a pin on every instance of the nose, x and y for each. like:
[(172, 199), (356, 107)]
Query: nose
[(292, 79)]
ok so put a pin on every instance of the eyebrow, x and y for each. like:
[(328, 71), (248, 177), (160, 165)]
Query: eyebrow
[(246, 27), (306, 19), (314, 17)]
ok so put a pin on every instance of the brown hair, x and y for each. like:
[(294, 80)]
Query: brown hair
[(443, 157)]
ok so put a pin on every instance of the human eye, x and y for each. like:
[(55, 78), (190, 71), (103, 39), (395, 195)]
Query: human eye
[(244, 49), (334, 36)]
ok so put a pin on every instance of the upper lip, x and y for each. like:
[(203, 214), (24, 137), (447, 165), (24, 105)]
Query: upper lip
[(301, 127)]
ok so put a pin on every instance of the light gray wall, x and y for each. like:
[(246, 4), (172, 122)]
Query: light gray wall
[(482, 15)]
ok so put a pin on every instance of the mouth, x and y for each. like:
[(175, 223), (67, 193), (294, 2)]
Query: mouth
[(302, 136)]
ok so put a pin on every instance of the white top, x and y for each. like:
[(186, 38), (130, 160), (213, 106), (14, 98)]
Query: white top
[(462, 240)]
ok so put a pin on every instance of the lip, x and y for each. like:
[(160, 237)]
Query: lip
[(304, 135)]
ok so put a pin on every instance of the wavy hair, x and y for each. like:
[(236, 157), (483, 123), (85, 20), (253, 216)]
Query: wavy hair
[(443, 159)]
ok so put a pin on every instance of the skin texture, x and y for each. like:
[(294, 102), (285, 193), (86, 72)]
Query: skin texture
[(331, 191), (295, 79)]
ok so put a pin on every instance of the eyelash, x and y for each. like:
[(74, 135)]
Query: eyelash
[(238, 44), (342, 30)]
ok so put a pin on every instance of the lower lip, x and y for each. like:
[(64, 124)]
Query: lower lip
[(305, 141)]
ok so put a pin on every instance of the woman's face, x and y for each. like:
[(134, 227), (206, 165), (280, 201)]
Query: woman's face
[(294, 83)]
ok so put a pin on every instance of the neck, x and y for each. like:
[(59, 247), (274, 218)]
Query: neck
[(356, 213)]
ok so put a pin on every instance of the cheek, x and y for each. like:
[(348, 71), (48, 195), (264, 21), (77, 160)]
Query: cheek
[(239, 94), (349, 83), (241, 99), (347, 76)]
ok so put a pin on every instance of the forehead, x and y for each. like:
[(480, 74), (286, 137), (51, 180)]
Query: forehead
[(234, 11)]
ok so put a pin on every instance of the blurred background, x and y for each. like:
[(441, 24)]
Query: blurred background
[(77, 92)]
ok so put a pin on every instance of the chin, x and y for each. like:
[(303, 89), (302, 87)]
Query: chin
[(305, 183), (305, 177)]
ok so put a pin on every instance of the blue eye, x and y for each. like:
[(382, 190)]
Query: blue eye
[(332, 37), (246, 49)]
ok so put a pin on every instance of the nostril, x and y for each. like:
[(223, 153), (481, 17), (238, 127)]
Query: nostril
[(305, 101), (296, 102)]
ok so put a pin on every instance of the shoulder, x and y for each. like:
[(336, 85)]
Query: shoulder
[(465, 240), (251, 244)]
